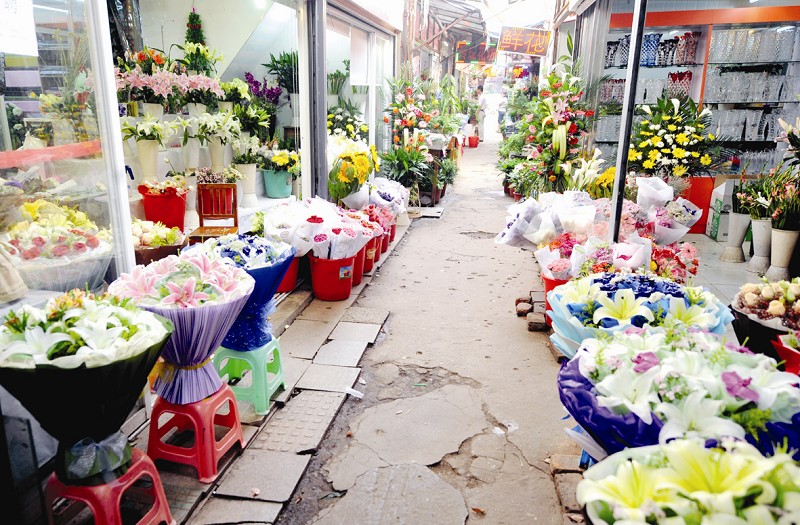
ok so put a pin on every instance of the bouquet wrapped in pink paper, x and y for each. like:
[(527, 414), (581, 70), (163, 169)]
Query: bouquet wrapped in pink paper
[(202, 298)]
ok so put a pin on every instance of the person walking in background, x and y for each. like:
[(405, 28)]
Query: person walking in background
[(501, 108), (482, 103)]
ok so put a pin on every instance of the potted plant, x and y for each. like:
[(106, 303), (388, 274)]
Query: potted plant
[(153, 241), (285, 68), (343, 120), (280, 167), (234, 92), (254, 120), (754, 200), (785, 219), (198, 58), (246, 158), (217, 130), (199, 93), (351, 162), (149, 135), (448, 169), (336, 80)]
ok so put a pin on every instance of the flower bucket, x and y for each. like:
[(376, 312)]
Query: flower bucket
[(370, 255), (473, 141), (781, 251), (550, 284), (758, 337), (358, 266), (517, 196), (278, 184), (146, 254), (248, 199), (378, 243), (331, 279), (699, 193), (789, 355), (289, 280), (385, 242), (393, 233), (166, 208)]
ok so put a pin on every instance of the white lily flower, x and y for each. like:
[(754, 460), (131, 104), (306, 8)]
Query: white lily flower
[(623, 308), (689, 315), (696, 416), (629, 390), (36, 342), (97, 336)]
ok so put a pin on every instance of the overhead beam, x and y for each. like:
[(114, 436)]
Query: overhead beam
[(448, 26)]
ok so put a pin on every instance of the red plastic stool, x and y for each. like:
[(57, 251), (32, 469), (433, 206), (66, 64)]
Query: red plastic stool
[(104, 500), (199, 417)]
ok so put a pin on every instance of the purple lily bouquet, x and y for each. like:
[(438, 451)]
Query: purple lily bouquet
[(202, 297), (642, 387)]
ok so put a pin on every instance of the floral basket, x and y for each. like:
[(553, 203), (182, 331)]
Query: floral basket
[(202, 299), (606, 303), (81, 399), (643, 388)]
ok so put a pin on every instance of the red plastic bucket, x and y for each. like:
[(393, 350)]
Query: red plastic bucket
[(369, 255), (699, 193), (289, 280), (473, 141), (169, 209), (393, 233), (358, 266), (331, 279), (789, 355), (377, 242), (385, 242), (549, 284)]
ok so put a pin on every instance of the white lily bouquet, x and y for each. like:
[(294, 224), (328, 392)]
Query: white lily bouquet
[(611, 302), (682, 482), (643, 387)]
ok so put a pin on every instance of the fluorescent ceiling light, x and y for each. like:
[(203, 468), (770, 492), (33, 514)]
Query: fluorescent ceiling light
[(45, 8)]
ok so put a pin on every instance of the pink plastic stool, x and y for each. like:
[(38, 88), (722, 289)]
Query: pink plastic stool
[(104, 500), (199, 417)]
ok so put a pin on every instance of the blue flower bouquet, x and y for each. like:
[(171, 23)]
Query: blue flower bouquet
[(610, 302)]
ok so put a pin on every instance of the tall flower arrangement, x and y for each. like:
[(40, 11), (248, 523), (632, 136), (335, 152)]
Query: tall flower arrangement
[(407, 114)]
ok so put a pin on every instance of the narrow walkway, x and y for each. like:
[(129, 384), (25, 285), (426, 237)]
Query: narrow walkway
[(460, 408)]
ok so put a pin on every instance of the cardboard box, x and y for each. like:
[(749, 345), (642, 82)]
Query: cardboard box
[(722, 197), (717, 225)]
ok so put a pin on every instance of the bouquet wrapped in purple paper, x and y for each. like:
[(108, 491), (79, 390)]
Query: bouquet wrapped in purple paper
[(202, 297), (643, 387)]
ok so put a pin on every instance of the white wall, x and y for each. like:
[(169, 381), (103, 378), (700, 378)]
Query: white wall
[(390, 11), (227, 25)]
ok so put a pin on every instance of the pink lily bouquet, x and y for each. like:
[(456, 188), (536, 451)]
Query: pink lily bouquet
[(202, 297)]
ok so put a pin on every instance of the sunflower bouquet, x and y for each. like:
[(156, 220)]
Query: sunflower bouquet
[(673, 139)]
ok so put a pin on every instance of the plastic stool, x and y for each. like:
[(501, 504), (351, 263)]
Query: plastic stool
[(200, 417), (265, 365), (104, 500)]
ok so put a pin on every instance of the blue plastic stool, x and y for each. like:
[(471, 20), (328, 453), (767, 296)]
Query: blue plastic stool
[(265, 366)]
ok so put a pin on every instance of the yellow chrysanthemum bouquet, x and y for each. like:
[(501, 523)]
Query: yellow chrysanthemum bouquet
[(351, 168), (674, 140)]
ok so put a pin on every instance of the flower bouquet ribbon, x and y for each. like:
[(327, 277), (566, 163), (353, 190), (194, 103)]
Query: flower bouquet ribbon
[(684, 482), (645, 387), (266, 262), (608, 302), (78, 366), (202, 298)]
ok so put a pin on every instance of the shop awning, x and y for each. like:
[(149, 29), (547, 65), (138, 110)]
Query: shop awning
[(460, 19)]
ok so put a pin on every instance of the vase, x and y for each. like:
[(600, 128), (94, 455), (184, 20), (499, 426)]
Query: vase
[(195, 110), (624, 50), (148, 159), (217, 151), (225, 107), (244, 135), (294, 101), (191, 219), (191, 155), (762, 241), (783, 243), (650, 49), (611, 53), (737, 230), (296, 191), (360, 100), (333, 100), (248, 185), (156, 110)]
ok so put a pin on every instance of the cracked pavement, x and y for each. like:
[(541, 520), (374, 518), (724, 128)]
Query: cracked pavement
[(460, 403)]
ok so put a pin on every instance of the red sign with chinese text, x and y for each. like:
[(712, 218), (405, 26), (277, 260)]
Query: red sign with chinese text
[(524, 40), (467, 53)]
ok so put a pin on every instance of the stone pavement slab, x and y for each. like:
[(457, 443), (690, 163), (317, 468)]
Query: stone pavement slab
[(301, 424), (273, 475), (398, 494), (329, 378), (356, 332), (225, 510), (330, 311), (566, 486), (304, 337), (341, 352), (358, 314), (293, 370)]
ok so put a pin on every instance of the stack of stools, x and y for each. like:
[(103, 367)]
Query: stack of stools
[(199, 417), (104, 500), (264, 364)]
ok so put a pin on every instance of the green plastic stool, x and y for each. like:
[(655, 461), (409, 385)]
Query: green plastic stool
[(265, 366)]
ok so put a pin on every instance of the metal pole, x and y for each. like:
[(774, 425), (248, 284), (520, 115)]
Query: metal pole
[(318, 89), (628, 107)]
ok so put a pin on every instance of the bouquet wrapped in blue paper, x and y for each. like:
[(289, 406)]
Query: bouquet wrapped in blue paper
[(641, 387), (267, 262), (610, 302)]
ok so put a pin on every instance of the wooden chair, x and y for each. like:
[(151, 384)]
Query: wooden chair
[(215, 202)]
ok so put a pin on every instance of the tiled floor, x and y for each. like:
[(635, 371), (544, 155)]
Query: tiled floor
[(721, 278)]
